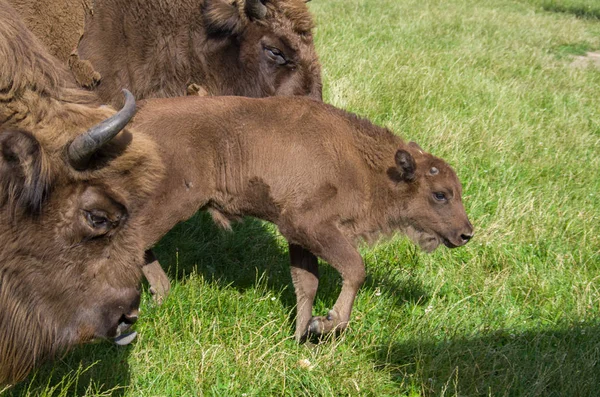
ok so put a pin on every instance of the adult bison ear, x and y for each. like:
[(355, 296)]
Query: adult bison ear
[(221, 18), (24, 177), (406, 165)]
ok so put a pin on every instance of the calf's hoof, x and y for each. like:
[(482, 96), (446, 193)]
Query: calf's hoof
[(324, 325)]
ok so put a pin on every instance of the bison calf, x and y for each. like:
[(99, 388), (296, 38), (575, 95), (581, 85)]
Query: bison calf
[(325, 177)]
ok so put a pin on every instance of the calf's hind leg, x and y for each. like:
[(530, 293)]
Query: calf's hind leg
[(160, 286), (305, 276)]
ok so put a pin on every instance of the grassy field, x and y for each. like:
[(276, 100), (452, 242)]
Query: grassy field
[(488, 86), (580, 8)]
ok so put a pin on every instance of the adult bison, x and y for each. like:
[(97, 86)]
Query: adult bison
[(72, 187), (325, 177), (162, 48)]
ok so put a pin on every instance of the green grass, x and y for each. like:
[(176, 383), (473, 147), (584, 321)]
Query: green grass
[(580, 8), (488, 86)]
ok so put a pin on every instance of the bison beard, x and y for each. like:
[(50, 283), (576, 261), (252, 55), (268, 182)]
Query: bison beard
[(325, 177)]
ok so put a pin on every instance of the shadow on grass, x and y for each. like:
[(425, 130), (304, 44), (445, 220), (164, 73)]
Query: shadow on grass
[(251, 251), (561, 362), (236, 258), (93, 369)]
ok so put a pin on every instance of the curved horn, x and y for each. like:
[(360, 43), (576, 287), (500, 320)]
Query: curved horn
[(85, 145), (256, 9)]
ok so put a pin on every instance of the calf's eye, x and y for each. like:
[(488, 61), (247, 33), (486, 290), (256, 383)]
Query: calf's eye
[(439, 196)]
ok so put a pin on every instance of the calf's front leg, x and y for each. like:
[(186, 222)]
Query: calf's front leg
[(305, 276), (330, 244)]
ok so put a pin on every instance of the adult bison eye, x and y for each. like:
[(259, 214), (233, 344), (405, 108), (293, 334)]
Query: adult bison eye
[(97, 220), (439, 196), (275, 55)]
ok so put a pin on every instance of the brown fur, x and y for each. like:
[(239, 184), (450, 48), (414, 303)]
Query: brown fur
[(59, 25), (157, 48), (63, 280), (325, 177)]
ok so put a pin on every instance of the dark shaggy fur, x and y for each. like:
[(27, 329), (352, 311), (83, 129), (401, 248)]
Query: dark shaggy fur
[(65, 278), (158, 48)]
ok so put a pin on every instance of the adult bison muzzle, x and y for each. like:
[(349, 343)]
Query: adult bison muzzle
[(73, 181), (325, 177)]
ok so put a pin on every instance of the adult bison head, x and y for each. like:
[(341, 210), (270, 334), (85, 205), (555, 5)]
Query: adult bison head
[(275, 43), (432, 193), (70, 251), (167, 48)]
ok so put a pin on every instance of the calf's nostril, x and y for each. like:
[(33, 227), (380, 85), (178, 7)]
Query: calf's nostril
[(466, 237)]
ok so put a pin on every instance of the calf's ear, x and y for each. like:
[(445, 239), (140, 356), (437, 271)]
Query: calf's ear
[(415, 145), (24, 181), (222, 18), (405, 163)]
